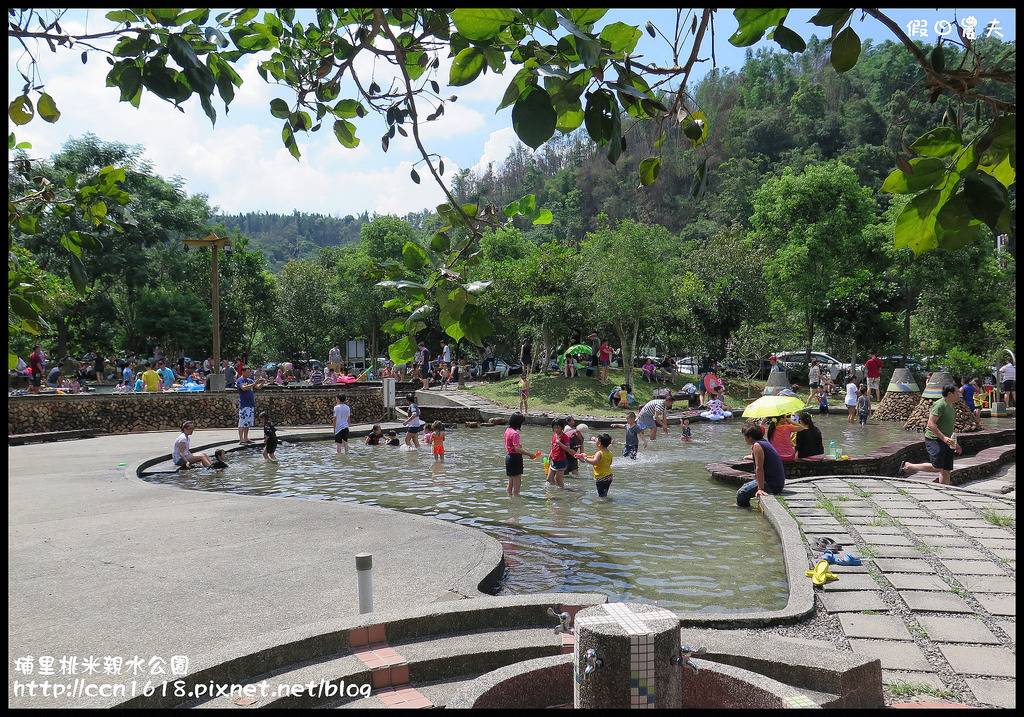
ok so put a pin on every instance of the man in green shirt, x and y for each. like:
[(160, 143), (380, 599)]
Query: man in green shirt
[(938, 438)]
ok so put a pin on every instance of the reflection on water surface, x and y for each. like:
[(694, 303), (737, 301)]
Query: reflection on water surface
[(667, 533)]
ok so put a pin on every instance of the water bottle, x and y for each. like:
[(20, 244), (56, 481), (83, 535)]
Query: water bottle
[(833, 450), (953, 438)]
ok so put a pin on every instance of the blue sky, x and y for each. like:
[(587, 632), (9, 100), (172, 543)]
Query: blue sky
[(241, 165)]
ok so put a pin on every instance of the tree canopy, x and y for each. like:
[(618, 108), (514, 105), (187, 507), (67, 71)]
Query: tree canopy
[(573, 72)]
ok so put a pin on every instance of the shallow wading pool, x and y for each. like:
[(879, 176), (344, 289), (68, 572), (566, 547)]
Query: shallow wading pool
[(666, 534)]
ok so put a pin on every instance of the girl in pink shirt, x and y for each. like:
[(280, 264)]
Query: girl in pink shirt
[(514, 453), (780, 435)]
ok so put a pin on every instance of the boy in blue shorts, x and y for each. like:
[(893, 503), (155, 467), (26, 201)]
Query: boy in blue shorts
[(412, 423), (634, 432)]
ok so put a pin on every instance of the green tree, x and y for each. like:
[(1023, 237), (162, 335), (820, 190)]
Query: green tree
[(304, 302), (137, 250), (721, 285), (574, 73), (812, 227), (626, 268)]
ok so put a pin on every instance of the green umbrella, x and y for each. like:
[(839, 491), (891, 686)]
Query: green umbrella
[(577, 349), (769, 406)]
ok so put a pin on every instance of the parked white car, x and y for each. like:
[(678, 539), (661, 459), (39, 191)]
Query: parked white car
[(793, 360), (689, 365)]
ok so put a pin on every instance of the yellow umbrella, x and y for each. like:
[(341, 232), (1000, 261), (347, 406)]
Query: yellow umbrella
[(769, 406)]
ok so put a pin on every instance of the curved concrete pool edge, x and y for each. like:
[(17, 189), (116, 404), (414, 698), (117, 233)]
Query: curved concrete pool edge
[(235, 562), (103, 564)]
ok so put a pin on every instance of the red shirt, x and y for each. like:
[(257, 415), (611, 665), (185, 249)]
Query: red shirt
[(35, 363), (874, 367), (559, 442), (604, 353)]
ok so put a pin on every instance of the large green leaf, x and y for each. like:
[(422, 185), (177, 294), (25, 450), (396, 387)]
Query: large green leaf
[(845, 50), (788, 39), (21, 110), (279, 108), (940, 142), (927, 171), (466, 66), (413, 256), (985, 197), (47, 108), (475, 324), (916, 224), (403, 350), (533, 117), (599, 116), (481, 23), (650, 168), (831, 16), (621, 38), (752, 23), (345, 131)]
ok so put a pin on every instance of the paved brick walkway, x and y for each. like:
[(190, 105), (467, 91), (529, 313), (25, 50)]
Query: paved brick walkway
[(935, 597)]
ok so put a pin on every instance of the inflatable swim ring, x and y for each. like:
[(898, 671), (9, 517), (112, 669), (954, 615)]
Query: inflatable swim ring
[(346, 379), (716, 415)]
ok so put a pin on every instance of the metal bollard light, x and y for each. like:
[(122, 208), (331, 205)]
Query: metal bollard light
[(364, 582)]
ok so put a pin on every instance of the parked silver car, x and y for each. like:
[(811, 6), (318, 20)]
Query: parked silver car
[(794, 360)]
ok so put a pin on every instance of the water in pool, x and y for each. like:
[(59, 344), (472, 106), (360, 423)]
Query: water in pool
[(666, 534)]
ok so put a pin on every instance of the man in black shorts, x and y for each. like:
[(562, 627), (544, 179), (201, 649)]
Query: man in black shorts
[(938, 438)]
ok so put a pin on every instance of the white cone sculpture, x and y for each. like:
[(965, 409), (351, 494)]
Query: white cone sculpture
[(900, 399), (966, 422), (777, 381)]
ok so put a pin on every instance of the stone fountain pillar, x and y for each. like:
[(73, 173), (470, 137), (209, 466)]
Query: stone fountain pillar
[(901, 397), (627, 656), (777, 380)]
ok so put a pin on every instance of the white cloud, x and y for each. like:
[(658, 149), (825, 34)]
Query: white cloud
[(241, 164), (496, 149)]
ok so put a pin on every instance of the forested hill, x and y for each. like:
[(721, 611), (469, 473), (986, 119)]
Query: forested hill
[(294, 236)]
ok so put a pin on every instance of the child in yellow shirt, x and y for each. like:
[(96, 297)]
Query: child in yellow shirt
[(602, 462)]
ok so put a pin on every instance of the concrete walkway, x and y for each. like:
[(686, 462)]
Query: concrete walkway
[(935, 597), (103, 565)]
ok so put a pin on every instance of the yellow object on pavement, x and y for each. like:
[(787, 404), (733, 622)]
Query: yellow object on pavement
[(821, 574)]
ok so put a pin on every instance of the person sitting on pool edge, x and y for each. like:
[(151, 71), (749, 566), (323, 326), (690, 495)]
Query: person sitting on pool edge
[(770, 474), (182, 454)]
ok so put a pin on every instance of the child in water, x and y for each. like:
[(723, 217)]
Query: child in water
[(686, 430), (374, 437), (412, 423), (218, 460), (602, 462), (822, 396), (269, 438), (863, 405), (524, 395), (437, 438), (514, 453), (393, 439), (559, 448), (634, 432)]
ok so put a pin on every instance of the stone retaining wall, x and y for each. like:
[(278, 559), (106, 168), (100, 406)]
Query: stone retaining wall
[(128, 413), (976, 462)]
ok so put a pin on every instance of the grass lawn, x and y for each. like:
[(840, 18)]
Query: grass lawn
[(586, 396)]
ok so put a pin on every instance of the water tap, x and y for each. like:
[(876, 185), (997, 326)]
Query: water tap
[(684, 659), (591, 661), (565, 620)]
